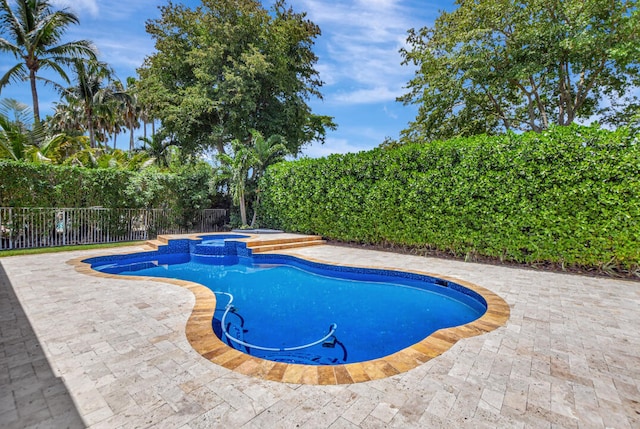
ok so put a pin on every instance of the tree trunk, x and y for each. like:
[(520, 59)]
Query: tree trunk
[(92, 134), (34, 97), (220, 147), (243, 210), (539, 103), (255, 210), (131, 136)]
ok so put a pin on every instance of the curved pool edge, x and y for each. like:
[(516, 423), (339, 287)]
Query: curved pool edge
[(199, 333)]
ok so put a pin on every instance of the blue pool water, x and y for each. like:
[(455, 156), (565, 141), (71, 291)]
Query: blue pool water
[(280, 304)]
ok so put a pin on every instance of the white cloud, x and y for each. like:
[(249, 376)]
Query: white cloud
[(110, 9), (389, 113), (354, 139), (331, 146), (127, 53), (360, 47), (138, 10), (78, 6), (366, 96), (327, 73)]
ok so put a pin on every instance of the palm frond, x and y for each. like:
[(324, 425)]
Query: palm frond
[(11, 22), (11, 107), (54, 65), (17, 72), (67, 52), (6, 46)]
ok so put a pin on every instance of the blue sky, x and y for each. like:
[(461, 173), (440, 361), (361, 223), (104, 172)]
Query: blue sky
[(359, 59)]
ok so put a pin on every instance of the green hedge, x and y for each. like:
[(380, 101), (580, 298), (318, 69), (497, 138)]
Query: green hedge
[(25, 184), (570, 195), (43, 185)]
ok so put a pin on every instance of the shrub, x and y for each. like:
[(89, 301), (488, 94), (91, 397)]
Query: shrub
[(570, 195), (43, 185)]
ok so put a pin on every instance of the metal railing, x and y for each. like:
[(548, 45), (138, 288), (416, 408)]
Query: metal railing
[(22, 228)]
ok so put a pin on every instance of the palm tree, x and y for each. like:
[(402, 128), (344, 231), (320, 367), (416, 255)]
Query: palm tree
[(146, 117), (89, 91), (247, 164), (36, 31), (68, 117), (96, 158), (70, 147), (159, 149), (131, 109), (19, 143), (14, 135), (266, 152), (108, 118), (235, 168), (16, 113)]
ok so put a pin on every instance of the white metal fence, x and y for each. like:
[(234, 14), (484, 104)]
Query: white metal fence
[(22, 228)]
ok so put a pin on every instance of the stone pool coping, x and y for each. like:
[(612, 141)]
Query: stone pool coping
[(201, 337)]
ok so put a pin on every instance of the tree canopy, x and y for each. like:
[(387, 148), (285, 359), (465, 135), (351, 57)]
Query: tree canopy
[(35, 31), (230, 66), (496, 65)]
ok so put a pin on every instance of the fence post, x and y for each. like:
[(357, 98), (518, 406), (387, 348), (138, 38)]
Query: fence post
[(13, 228)]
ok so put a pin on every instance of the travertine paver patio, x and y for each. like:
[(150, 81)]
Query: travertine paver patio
[(569, 356)]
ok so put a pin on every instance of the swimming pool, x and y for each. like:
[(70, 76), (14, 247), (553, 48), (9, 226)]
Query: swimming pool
[(285, 309)]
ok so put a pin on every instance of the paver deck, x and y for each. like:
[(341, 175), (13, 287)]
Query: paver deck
[(569, 356)]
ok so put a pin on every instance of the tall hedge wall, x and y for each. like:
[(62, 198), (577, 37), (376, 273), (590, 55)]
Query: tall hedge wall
[(569, 196), (44, 185)]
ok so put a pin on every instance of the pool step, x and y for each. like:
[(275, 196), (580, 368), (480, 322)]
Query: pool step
[(261, 245), (284, 243), (161, 240), (154, 244), (290, 238)]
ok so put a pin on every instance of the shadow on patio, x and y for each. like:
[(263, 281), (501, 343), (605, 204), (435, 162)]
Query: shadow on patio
[(31, 394)]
